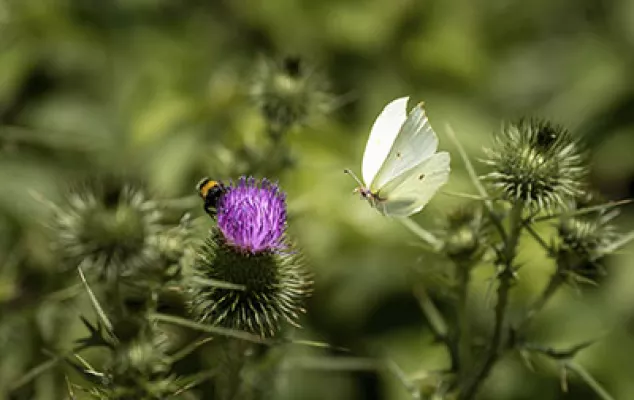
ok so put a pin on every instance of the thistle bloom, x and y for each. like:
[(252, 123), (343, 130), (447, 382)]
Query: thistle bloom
[(250, 249), (252, 217)]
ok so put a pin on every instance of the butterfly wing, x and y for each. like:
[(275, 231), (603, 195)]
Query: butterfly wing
[(411, 191), (415, 142), (382, 136)]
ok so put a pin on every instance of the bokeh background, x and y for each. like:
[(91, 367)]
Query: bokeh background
[(162, 89)]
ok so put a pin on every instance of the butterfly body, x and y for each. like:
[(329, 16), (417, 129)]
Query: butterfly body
[(401, 169)]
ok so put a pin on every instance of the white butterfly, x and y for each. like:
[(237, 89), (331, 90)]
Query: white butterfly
[(401, 168)]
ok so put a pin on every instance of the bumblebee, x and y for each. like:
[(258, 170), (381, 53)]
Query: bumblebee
[(211, 192)]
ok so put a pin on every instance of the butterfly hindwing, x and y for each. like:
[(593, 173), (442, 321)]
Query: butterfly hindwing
[(411, 191)]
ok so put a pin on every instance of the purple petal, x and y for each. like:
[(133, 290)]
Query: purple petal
[(252, 216)]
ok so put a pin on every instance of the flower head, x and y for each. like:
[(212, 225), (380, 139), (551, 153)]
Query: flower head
[(585, 239), (465, 234), (536, 163), (288, 93), (252, 216), (137, 370), (261, 286), (106, 221)]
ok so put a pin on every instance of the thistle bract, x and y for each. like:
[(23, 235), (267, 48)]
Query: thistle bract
[(536, 163), (250, 251)]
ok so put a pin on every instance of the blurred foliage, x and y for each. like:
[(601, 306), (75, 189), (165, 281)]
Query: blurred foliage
[(169, 91)]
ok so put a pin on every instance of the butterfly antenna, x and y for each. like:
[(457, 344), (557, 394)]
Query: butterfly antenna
[(352, 174)]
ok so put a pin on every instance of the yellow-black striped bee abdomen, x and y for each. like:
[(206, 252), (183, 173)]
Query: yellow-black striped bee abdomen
[(211, 192)]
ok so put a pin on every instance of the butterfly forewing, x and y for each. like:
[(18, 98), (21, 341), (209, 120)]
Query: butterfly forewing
[(415, 142), (382, 136)]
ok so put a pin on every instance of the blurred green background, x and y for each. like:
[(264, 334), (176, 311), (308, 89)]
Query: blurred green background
[(160, 89)]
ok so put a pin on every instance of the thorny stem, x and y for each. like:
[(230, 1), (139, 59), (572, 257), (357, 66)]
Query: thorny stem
[(473, 383), (565, 358), (555, 354), (463, 337)]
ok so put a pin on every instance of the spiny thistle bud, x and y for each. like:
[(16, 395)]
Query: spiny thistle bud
[(173, 252), (465, 234), (584, 241), (106, 222), (288, 93), (249, 248), (536, 163), (138, 371)]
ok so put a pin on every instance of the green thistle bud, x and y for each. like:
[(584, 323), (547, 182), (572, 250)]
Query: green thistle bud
[(138, 371), (288, 93), (106, 222), (465, 234), (536, 163), (173, 252), (584, 241), (249, 249)]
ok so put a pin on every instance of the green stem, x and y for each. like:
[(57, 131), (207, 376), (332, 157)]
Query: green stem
[(476, 182), (422, 233), (549, 250), (45, 366), (472, 383), (437, 324), (589, 379), (187, 350), (463, 334), (411, 388), (514, 234), (582, 211), (230, 378), (434, 317), (215, 330)]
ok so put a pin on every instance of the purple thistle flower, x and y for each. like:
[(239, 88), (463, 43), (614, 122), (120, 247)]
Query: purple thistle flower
[(252, 216)]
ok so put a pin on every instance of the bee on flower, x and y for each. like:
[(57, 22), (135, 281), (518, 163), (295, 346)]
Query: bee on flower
[(249, 247)]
